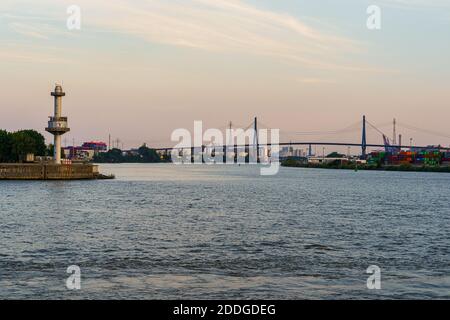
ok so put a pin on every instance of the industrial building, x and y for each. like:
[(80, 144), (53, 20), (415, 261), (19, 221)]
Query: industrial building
[(86, 151)]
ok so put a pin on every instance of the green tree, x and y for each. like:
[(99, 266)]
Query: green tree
[(50, 150), (144, 155), (148, 155), (5, 146), (112, 156), (40, 148), (335, 155), (27, 141)]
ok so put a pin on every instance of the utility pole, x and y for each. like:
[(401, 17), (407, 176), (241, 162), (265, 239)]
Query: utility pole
[(230, 127), (230, 141), (394, 141)]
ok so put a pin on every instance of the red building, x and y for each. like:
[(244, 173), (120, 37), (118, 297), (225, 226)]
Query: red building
[(97, 146)]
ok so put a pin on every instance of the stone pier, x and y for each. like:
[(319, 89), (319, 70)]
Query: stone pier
[(48, 171)]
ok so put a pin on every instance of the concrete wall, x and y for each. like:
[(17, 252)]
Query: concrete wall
[(47, 171), (22, 171)]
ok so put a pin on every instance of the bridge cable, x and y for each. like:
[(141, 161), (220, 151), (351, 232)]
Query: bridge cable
[(435, 133)]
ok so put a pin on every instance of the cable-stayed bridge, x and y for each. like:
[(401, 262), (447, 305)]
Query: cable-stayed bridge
[(361, 128)]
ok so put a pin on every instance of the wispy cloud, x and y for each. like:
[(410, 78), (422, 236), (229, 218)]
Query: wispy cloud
[(221, 26), (417, 3), (225, 26), (34, 28), (314, 81), (25, 54), (28, 30)]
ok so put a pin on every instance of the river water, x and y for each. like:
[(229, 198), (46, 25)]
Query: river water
[(225, 232)]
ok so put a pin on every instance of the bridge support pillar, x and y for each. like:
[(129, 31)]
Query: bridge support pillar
[(224, 154), (247, 154), (203, 154)]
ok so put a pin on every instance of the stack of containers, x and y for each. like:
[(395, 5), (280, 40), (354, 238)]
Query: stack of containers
[(432, 158), (406, 157), (393, 160), (445, 161), (420, 158), (376, 157)]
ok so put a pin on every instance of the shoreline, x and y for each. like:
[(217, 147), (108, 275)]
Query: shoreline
[(400, 168)]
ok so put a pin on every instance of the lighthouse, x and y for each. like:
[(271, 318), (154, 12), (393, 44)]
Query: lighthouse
[(57, 125)]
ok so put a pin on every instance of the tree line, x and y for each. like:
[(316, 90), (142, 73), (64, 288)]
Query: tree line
[(14, 146), (143, 155)]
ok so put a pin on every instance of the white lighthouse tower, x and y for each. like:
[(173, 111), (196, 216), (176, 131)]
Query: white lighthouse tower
[(57, 125)]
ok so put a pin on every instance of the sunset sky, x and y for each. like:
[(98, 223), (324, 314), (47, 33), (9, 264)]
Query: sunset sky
[(138, 69)]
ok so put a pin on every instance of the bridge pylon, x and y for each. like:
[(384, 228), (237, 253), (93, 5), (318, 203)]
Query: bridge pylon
[(256, 139), (364, 140)]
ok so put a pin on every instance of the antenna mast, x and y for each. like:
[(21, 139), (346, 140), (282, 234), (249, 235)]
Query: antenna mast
[(394, 140)]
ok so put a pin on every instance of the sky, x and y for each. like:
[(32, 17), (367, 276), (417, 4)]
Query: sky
[(139, 69)]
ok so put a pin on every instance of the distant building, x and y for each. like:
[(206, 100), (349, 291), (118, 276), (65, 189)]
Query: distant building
[(29, 157), (324, 160), (78, 153), (86, 151), (291, 152), (97, 146), (299, 153), (132, 152)]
